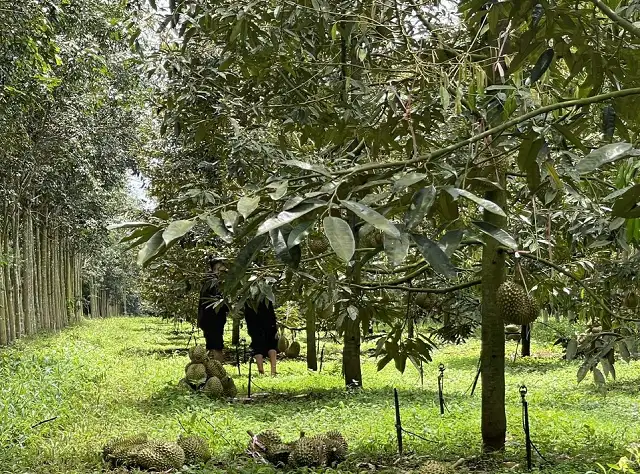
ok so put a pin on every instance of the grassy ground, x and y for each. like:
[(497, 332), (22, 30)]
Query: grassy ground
[(117, 376)]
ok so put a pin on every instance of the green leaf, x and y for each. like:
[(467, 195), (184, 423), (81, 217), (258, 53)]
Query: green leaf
[(603, 155), (128, 225), (147, 231), (280, 189), (451, 241), (340, 237), (286, 217), (289, 255), (396, 249), (541, 66), (176, 230), (153, 4), (598, 377), (308, 167), (607, 368), (382, 363), (151, 249), (497, 233), (433, 254), (401, 362), (582, 372), (372, 217), (230, 218), (299, 232), (241, 264), (485, 203), (528, 161), (217, 226), (624, 351), (572, 349), (626, 206), (420, 206), (407, 180), (246, 205)]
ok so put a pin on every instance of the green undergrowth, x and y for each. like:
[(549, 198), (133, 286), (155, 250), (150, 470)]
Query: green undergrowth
[(63, 395)]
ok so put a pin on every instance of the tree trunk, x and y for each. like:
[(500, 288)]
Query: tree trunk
[(235, 331), (494, 420), (525, 340), (351, 348), (312, 355), (9, 293)]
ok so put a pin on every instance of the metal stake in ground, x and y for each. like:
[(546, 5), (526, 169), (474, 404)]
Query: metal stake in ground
[(421, 375), (525, 423), (398, 422), (321, 358), (238, 357), (244, 350), (440, 387), (249, 380)]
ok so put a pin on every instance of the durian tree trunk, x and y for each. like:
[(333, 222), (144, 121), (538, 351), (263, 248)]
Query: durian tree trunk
[(312, 354), (494, 419), (235, 332), (17, 274), (4, 340), (351, 346), (8, 293), (525, 341)]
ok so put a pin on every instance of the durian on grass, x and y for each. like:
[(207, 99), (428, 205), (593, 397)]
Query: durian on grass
[(208, 375)]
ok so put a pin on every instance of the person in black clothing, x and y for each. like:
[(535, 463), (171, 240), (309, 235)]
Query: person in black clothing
[(212, 315), (262, 329)]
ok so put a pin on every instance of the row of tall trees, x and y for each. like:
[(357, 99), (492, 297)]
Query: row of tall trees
[(361, 157), (68, 133)]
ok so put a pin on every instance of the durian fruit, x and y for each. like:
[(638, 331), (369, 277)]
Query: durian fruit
[(283, 344), (213, 388), (435, 467), (373, 239), (267, 440), (318, 244), (196, 449), (515, 305), (293, 350), (229, 389), (215, 369), (278, 454), (198, 354), (157, 455), (116, 450), (630, 300), (424, 300), (196, 373), (336, 447), (309, 452)]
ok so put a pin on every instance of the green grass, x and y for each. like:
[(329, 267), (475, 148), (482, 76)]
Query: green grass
[(117, 376)]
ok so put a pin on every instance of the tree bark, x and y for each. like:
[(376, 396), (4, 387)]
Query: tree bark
[(494, 420), (235, 331), (525, 341), (312, 355)]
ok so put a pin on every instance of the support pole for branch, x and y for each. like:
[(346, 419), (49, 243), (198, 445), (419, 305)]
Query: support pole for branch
[(249, 382), (441, 387), (525, 424), (398, 421)]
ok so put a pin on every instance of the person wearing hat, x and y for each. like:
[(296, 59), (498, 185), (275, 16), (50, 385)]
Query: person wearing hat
[(213, 310)]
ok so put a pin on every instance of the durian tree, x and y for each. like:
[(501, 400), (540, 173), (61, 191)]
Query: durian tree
[(434, 155)]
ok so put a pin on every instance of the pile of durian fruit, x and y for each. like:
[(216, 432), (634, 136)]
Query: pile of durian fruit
[(208, 375), (290, 350), (140, 452), (323, 450)]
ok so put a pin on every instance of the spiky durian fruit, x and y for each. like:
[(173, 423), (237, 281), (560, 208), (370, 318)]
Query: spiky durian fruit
[(336, 447), (157, 455), (198, 354), (318, 245), (515, 305), (310, 452), (196, 449), (267, 440), (229, 388), (213, 388), (215, 369), (435, 467), (196, 373), (293, 350), (115, 451)]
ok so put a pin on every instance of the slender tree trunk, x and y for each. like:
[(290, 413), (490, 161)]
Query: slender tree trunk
[(494, 420), (16, 274), (235, 332), (351, 348), (525, 341), (4, 340), (312, 355), (9, 293)]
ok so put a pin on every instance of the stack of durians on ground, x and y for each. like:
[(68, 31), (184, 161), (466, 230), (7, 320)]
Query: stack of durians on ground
[(316, 451), (140, 452), (290, 350), (206, 374)]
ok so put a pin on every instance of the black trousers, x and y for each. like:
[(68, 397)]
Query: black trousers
[(211, 320), (262, 327)]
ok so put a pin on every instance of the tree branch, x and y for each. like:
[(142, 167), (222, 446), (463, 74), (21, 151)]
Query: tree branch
[(578, 281), (622, 22), (449, 289), (492, 131)]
